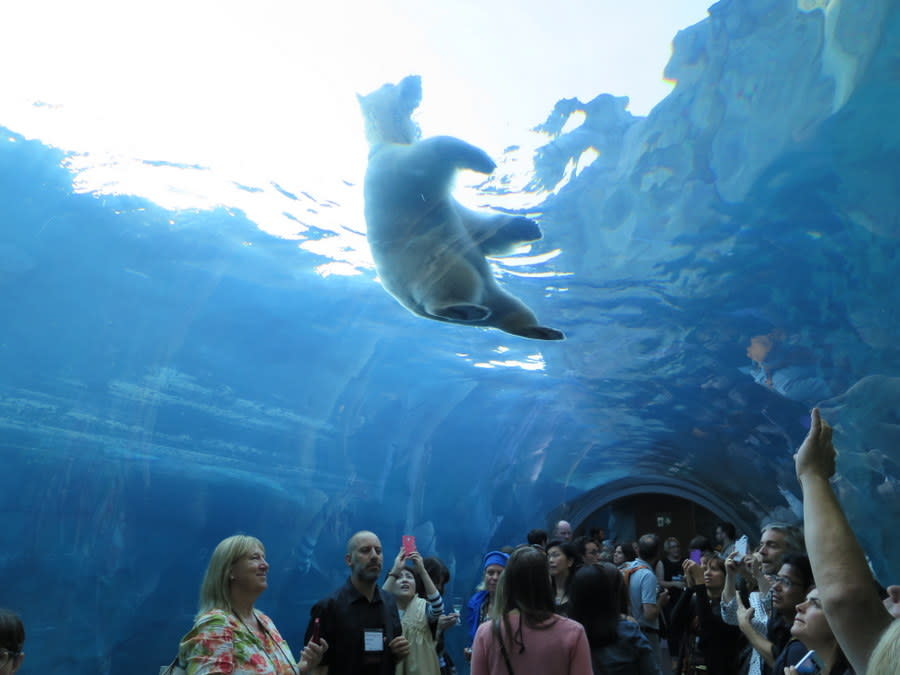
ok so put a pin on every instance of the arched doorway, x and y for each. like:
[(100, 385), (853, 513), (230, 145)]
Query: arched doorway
[(630, 507)]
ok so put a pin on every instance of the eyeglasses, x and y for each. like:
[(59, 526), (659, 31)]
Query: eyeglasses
[(785, 582), (6, 656)]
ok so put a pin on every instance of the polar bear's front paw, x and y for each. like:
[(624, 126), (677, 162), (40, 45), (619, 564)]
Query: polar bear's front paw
[(460, 154), (481, 162)]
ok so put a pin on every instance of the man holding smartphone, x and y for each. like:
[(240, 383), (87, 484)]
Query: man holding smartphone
[(360, 623)]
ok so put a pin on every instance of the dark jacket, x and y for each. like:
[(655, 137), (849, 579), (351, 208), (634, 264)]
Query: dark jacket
[(718, 642), (473, 612), (344, 617), (630, 654)]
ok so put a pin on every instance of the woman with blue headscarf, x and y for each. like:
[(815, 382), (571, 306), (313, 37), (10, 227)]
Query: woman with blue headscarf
[(479, 604)]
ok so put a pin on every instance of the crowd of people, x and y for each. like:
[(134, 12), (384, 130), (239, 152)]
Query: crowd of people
[(803, 600), (560, 605)]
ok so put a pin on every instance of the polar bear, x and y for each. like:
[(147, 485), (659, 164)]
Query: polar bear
[(428, 249)]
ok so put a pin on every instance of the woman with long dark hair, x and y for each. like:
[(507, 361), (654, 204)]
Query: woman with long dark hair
[(624, 554), (564, 561), (524, 635), (617, 645)]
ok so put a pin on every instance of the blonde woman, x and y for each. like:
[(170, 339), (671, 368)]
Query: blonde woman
[(885, 659), (229, 634)]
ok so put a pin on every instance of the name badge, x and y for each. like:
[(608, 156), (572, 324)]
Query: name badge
[(374, 639)]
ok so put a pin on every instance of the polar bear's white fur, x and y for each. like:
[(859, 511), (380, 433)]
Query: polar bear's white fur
[(428, 249)]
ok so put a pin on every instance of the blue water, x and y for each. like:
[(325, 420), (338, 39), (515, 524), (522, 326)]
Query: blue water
[(164, 385)]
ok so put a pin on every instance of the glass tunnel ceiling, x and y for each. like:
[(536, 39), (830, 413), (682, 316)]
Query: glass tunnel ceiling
[(721, 265)]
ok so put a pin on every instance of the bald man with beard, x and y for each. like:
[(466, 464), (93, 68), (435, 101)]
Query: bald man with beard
[(360, 623)]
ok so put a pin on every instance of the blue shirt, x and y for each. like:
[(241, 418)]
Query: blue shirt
[(642, 591)]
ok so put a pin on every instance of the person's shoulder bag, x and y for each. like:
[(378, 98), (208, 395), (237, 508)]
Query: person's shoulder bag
[(495, 624)]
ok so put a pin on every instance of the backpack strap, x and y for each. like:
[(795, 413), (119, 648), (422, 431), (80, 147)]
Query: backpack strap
[(631, 570)]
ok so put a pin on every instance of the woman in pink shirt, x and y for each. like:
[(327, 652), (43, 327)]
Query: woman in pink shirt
[(524, 636)]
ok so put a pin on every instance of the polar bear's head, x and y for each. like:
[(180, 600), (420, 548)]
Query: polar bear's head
[(388, 112)]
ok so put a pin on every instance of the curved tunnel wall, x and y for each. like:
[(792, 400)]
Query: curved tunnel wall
[(169, 378)]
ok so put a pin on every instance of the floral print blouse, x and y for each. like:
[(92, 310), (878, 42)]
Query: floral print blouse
[(220, 643)]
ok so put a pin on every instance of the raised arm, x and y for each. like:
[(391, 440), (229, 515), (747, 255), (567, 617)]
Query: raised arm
[(731, 572), (846, 588), (753, 565), (435, 601), (757, 640), (681, 614), (391, 578)]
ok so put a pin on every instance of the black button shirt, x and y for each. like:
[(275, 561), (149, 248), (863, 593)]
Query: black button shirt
[(343, 619)]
